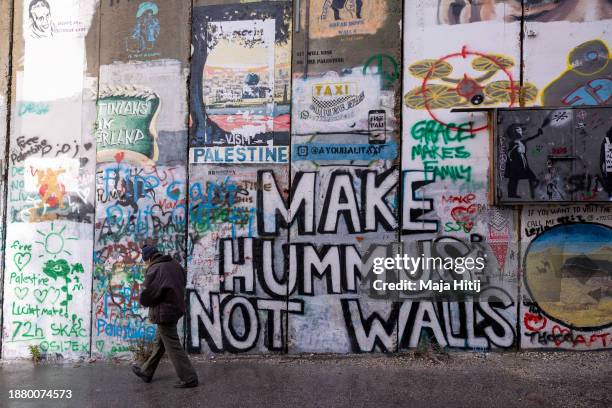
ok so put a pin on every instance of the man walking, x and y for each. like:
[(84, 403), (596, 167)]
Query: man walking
[(164, 295)]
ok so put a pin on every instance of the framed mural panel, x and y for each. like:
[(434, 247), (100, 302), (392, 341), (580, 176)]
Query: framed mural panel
[(552, 155)]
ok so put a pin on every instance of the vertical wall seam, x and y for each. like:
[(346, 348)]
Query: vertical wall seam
[(306, 36), (187, 172), (518, 210), (5, 165), (522, 55), (93, 249), (400, 186), (295, 28)]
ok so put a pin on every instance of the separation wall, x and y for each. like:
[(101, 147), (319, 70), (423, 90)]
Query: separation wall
[(276, 148)]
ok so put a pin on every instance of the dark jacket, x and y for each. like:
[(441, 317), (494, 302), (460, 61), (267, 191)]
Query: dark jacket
[(164, 290)]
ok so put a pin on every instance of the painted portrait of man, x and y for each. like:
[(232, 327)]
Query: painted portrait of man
[(472, 11), (41, 22)]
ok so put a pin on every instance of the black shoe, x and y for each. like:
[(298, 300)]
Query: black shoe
[(183, 384), (136, 370)]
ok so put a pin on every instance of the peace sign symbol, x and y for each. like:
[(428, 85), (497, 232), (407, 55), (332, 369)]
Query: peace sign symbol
[(382, 61)]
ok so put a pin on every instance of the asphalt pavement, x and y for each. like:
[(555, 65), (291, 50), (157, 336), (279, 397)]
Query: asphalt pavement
[(436, 380)]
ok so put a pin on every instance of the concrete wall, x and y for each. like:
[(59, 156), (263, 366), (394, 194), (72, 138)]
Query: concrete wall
[(6, 9), (446, 195), (50, 201), (140, 163), (275, 148), (567, 58)]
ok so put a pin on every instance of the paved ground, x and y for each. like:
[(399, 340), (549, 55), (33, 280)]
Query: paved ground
[(436, 380)]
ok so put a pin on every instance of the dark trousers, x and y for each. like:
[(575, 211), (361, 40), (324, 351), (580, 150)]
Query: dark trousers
[(513, 187), (167, 340)]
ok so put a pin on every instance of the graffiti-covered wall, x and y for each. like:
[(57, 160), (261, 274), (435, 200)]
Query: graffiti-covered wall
[(141, 149), (345, 152), (241, 97), (565, 302), (445, 161), (276, 148), (5, 43), (50, 195)]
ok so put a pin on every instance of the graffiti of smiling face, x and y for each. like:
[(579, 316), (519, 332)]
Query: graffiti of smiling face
[(40, 15)]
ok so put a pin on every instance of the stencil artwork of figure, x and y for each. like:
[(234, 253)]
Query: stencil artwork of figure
[(517, 167), (605, 160), (41, 24), (147, 27), (338, 5)]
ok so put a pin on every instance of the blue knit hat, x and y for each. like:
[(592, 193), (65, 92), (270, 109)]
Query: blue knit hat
[(148, 251)]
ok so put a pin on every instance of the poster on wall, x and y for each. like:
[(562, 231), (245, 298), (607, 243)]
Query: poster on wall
[(240, 87), (54, 57), (331, 18), (55, 19), (348, 103)]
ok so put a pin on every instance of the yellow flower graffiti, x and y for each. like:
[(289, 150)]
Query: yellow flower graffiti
[(486, 80)]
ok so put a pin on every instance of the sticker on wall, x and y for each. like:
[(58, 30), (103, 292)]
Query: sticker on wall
[(339, 103), (587, 80), (343, 151), (126, 126), (142, 40), (239, 154)]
